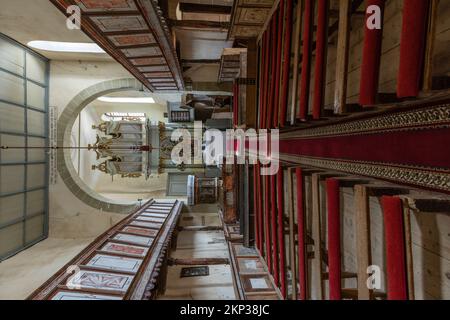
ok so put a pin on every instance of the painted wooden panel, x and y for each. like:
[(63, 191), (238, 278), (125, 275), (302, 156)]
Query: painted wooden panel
[(149, 219), (140, 52), (133, 239), (256, 283), (124, 248), (154, 215), (100, 280), (115, 263), (72, 295), (141, 231), (154, 68), (106, 268), (110, 5), (127, 40), (247, 265), (146, 224), (146, 61), (118, 23)]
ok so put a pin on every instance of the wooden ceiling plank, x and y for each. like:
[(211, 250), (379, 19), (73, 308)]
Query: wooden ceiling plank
[(110, 13), (153, 18), (134, 46), (125, 32), (204, 8), (200, 61), (93, 32), (199, 24)]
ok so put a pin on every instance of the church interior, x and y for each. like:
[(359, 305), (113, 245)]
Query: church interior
[(333, 177)]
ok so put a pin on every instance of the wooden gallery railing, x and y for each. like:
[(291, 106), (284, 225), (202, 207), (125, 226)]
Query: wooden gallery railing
[(124, 263)]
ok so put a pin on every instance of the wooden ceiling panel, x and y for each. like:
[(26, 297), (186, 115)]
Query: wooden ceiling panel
[(249, 17), (109, 5), (256, 16), (154, 69), (119, 23), (140, 52), (135, 34), (155, 80), (157, 75), (257, 3), (147, 61), (136, 39)]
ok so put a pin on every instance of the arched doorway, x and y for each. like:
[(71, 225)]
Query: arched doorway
[(66, 121)]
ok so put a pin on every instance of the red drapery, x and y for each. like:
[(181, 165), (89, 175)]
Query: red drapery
[(301, 235), (334, 238), (412, 47), (287, 61), (370, 67), (306, 59), (395, 248), (320, 64)]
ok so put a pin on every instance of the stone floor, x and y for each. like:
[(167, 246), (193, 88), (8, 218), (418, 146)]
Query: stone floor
[(21, 274), (200, 244)]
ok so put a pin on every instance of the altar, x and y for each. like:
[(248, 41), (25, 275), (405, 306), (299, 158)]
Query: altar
[(131, 149)]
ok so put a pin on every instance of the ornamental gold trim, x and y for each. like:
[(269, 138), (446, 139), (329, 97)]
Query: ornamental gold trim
[(430, 117), (421, 177)]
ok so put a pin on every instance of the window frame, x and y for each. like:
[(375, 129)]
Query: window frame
[(27, 164)]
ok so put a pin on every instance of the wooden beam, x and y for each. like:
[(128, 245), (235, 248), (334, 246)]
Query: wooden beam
[(210, 86), (204, 8), (296, 72), (292, 260), (363, 250), (201, 228), (200, 61), (317, 274), (428, 205), (362, 193), (197, 262), (269, 18), (350, 182), (126, 32), (340, 92), (109, 13), (429, 46), (250, 88), (344, 275), (199, 24), (408, 249)]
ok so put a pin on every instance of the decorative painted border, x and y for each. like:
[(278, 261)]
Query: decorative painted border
[(420, 177), (151, 17), (144, 280), (437, 116)]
